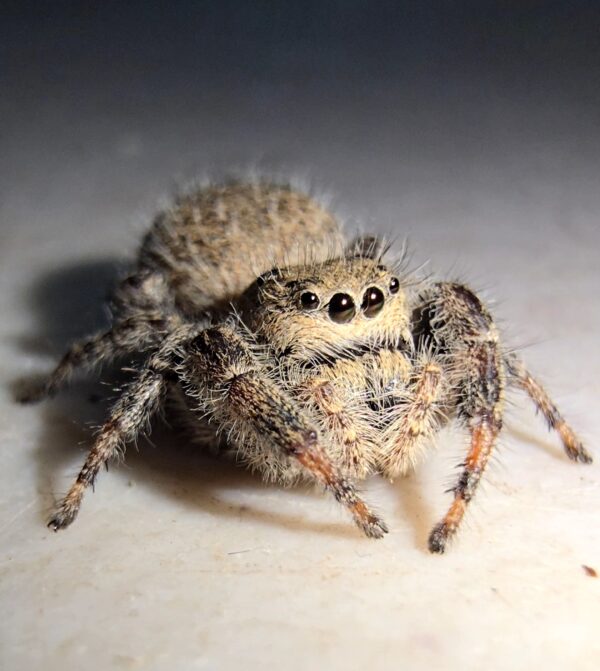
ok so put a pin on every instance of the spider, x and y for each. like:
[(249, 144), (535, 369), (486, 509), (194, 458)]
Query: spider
[(308, 355)]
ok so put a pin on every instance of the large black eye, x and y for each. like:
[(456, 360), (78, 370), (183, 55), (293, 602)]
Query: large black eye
[(372, 302), (309, 301), (394, 285), (341, 308)]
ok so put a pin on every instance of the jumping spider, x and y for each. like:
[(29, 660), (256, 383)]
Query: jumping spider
[(329, 364)]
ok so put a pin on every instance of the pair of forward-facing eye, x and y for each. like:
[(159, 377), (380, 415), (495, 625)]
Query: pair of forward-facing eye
[(342, 308)]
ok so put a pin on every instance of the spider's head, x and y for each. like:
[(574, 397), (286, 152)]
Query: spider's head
[(329, 308)]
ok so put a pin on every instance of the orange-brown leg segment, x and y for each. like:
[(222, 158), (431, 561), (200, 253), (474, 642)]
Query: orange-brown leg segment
[(342, 489), (484, 432), (230, 384), (464, 329), (572, 444)]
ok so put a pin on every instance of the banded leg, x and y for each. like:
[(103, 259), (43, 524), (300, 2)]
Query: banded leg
[(337, 396), (418, 416), (233, 388), (131, 335), (484, 431), (572, 444), (128, 416), (461, 326)]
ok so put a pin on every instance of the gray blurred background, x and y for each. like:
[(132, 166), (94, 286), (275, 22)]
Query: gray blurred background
[(410, 112)]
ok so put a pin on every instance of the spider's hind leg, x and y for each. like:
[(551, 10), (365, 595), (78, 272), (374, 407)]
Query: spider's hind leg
[(462, 328), (523, 378), (131, 335), (144, 318)]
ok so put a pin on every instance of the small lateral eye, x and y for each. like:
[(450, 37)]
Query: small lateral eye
[(373, 301), (394, 285), (341, 308), (309, 301)]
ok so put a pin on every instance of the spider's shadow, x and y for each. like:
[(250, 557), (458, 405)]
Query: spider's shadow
[(69, 304)]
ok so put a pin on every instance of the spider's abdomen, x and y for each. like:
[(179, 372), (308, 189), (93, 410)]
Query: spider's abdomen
[(215, 241)]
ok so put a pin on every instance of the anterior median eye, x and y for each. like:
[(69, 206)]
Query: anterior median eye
[(309, 301), (372, 302), (341, 308)]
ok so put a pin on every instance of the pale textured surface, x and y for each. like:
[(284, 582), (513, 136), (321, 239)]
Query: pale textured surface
[(181, 562), (178, 562)]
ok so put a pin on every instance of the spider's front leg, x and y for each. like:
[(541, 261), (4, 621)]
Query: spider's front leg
[(416, 419), (462, 331), (336, 395), (231, 384), (131, 412)]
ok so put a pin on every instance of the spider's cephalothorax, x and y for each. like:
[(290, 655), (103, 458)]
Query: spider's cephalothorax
[(310, 356)]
